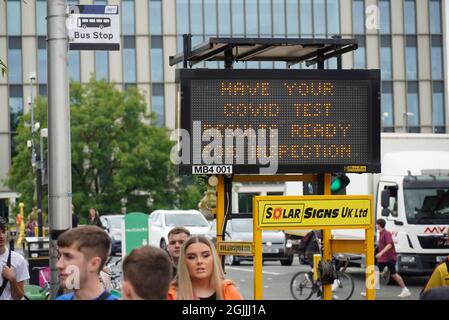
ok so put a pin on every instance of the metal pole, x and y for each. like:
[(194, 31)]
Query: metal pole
[(60, 178), (35, 159)]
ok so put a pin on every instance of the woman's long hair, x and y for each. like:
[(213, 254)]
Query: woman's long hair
[(184, 282)]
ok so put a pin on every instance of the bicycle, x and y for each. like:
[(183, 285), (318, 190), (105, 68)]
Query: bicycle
[(114, 273), (35, 292), (303, 285)]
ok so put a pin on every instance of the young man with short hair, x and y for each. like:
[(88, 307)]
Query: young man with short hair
[(83, 252), (176, 237), (387, 256), (13, 269), (147, 272)]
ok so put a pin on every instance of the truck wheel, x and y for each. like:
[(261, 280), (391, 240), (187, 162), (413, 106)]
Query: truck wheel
[(287, 262)]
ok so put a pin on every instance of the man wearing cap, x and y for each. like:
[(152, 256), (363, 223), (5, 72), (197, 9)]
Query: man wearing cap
[(13, 269)]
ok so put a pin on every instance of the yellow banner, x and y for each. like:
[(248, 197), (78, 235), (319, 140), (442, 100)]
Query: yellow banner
[(313, 211), (235, 248)]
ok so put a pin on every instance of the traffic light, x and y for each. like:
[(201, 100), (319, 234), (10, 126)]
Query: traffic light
[(339, 182)]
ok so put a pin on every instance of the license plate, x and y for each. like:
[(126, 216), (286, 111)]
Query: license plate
[(441, 258), (220, 169), (270, 250)]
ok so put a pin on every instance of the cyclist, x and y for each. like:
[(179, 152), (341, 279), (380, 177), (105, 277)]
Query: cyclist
[(309, 246)]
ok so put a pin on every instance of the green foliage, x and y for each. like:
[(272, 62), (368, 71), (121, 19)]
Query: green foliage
[(115, 154)]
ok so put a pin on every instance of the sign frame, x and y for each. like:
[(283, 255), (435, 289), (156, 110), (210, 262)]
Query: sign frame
[(258, 200), (184, 117), (80, 12)]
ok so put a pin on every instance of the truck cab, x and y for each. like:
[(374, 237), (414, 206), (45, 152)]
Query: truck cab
[(413, 198)]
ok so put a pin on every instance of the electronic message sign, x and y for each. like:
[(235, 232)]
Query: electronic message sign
[(278, 121)]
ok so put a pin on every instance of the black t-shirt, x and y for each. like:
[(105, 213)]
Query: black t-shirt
[(212, 297)]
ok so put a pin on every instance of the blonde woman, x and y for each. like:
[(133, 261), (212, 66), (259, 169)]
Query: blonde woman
[(200, 276)]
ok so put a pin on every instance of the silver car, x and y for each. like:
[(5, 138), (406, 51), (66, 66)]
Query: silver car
[(241, 229), (113, 226)]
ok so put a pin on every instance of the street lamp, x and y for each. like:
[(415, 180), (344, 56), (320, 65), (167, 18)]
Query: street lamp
[(406, 115), (35, 157), (124, 201)]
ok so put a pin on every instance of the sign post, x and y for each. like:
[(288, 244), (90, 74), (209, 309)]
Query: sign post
[(94, 27), (315, 212)]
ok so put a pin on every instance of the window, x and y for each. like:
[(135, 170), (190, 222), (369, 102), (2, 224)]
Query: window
[(319, 14), (384, 15), (210, 17), (196, 17), (410, 16), (14, 17), (155, 17), (224, 18), (333, 17), (292, 17), (437, 58), (237, 17), (435, 16), (385, 57), (14, 59), (412, 115), (411, 58), (182, 18), (157, 103), (15, 106), (157, 59), (128, 17), (101, 65), (359, 54), (42, 59), (305, 19), (265, 18), (266, 65), (129, 59), (43, 90), (246, 202), (251, 18), (279, 18), (387, 104), (74, 65), (358, 17), (438, 107), (41, 14)]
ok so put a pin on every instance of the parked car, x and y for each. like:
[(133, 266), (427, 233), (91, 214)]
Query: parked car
[(113, 226), (241, 229), (162, 221)]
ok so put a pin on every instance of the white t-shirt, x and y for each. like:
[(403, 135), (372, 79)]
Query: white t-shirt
[(20, 266)]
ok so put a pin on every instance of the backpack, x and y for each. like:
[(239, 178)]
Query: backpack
[(304, 243)]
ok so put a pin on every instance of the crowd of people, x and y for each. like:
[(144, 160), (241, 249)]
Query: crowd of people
[(190, 269)]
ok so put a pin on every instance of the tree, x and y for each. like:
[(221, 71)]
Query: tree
[(115, 153)]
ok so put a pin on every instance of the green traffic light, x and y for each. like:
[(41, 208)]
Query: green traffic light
[(336, 184)]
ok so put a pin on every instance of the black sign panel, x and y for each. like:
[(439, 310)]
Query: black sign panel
[(301, 121)]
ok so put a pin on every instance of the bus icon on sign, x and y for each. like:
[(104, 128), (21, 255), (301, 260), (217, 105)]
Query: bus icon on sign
[(94, 22)]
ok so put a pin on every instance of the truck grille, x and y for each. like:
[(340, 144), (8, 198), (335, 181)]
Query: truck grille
[(433, 242)]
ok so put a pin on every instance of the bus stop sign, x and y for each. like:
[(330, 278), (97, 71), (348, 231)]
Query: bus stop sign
[(93, 27)]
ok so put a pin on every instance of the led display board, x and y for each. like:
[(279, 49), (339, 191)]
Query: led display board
[(292, 121)]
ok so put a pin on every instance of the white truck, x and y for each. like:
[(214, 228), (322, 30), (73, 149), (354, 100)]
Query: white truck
[(412, 195)]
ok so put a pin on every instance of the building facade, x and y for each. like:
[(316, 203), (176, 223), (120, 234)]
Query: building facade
[(406, 39)]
